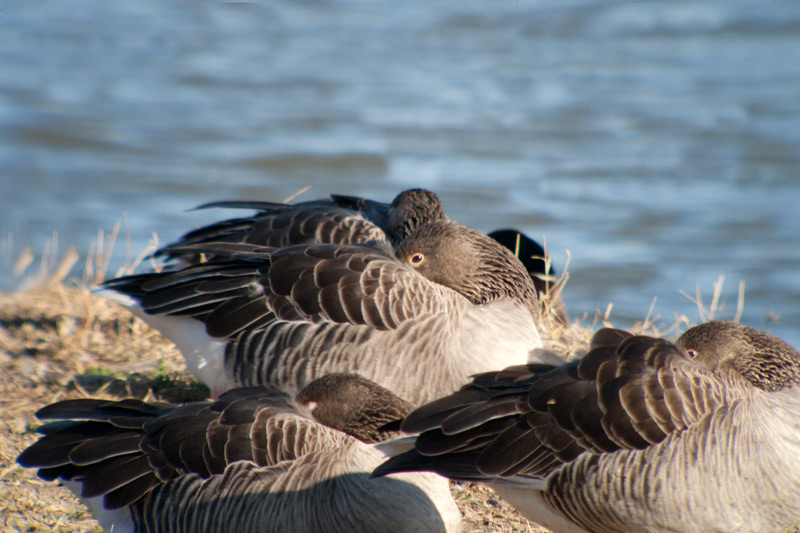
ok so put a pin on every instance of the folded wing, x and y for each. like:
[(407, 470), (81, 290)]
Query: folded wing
[(526, 422)]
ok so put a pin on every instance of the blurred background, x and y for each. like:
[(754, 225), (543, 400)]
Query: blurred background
[(657, 146)]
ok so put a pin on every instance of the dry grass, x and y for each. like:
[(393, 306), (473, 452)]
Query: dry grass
[(60, 341)]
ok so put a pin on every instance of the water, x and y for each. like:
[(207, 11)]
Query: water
[(658, 144)]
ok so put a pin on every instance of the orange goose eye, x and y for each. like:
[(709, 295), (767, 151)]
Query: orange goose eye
[(416, 259), (692, 353)]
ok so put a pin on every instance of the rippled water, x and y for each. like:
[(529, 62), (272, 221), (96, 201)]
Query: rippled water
[(658, 143)]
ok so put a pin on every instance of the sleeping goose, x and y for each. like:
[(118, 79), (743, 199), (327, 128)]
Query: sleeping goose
[(252, 461), (338, 220), (639, 435), (447, 303), (344, 219)]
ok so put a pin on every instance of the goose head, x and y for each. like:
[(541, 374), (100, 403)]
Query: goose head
[(764, 360), (354, 405), (412, 209), (472, 264)]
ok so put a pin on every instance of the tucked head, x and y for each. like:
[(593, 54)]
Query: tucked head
[(764, 360), (353, 404), (413, 209), (470, 263)]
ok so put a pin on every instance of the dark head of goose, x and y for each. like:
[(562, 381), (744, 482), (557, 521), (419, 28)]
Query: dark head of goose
[(766, 361), (353, 404), (412, 209), (468, 262)]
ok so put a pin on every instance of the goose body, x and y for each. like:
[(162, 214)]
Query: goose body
[(255, 460), (640, 435), (447, 303)]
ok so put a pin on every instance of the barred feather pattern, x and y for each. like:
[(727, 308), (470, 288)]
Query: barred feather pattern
[(254, 460), (338, 220), (281, 225)]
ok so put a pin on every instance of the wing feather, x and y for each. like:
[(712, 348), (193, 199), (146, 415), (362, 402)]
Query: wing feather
[(157, 443), (248, 286), (280, 225)]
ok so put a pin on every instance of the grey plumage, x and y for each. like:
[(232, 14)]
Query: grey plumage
[(337, 220), (640, 435), (255, 460), (539, 266), (287, 316)]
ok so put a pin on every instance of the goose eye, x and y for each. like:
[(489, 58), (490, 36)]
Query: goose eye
[(692, 353), (416, 259)]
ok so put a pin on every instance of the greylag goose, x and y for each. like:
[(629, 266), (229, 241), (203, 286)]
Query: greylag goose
[(338, 220), (639, 435), (252, 461), (449, 302), (344, 219)]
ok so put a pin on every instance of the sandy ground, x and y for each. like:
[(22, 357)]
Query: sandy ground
[(61, 342)]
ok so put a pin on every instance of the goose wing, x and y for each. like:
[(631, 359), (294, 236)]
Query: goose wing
[(525, 422), (122, 450), (247, 286), (280, 225)]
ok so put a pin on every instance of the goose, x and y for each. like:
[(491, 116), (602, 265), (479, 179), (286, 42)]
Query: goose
[(343, 219), (338, 220), (641, 434), (254, 460), (447, 303)]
